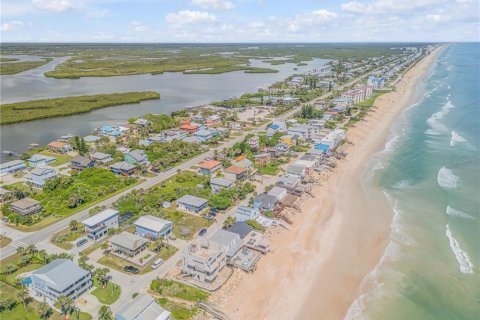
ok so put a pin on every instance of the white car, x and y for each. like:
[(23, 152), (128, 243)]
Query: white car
[(157, 263)]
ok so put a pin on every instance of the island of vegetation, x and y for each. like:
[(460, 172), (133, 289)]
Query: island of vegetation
[(49, 108), (10, 66)]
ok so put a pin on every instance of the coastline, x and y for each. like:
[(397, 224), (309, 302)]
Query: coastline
[(317, 268)]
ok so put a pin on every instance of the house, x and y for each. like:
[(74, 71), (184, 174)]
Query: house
[(213, 120), (5, 196), (332, 140), (282, 147), (262, 159), (153, 227), (342, 103), (244, 213), (128, 244), (112, 131), (137, 157), (254, 142), (39, 176), (142, 307), (40, 160), (208, 167), (81, 163), (205, 134), (278, 192), (217, 184), (191, 204), (376, 82), (170, 135), (242, 162), (61, 277), (229, 241), (103, 158), (303, 131), (241, 228), (287, 139), (309, 165), (189, 127), (26, 206), (12, 166), (289, 181), (97, 226), (142, 122), (203, 260), (192, 140), (265, 202), (235, 173), (60, 147), (91, 139), (236, 126), (123, 168), (297, 170)]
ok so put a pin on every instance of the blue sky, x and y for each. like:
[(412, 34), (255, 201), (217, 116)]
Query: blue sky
[(238, 20)]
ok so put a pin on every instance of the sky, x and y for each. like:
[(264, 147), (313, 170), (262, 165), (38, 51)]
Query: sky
[(239, 20)]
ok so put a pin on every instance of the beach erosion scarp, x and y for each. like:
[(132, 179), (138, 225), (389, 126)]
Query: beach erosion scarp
[(318, 267)]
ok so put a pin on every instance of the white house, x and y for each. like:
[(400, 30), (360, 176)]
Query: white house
[(278, 192), (97, 226), (244, 213), (39, 176)]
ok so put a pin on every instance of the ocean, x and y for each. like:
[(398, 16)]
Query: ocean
[(430, 173)]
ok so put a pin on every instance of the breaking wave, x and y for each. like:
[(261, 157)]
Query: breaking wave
[(456, 138), (457, 213), (436, 127), (446, 178), (466, 266)]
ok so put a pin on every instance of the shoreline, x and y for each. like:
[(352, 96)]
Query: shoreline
[(337, 242)]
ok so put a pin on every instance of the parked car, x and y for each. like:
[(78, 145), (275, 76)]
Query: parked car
[(131, 269), (157, 263), (202, 232), (5, 219), (81, 242), (208, 217)]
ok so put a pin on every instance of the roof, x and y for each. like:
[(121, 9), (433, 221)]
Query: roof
[(289, 179), (101, 155), (306, 163), (25, 203), (122, 166), (127, 240), (4, 191), (100, 217), (41, 157), (240, 228), (209, 164), (83, 161), (205, 132), (40, 171), (57, 144), (235, 170), (142, 307), (12, 163), (91, 138), (192, 200), (297, 169), (152, 223), (277, 191), (138, 155), (221, 182), (266, 199), (225, 239), (188, 126), (60, 274)]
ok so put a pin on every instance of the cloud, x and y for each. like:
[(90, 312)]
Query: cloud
[(53, 5), (11, 25), (436, 18), (103, 36), (138, 26), (386, 6), (189, 17), (305, 20), (9, 9), (214, 4)]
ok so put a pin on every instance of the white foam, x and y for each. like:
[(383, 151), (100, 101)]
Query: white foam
[(456, 138), (457, 213), (390, 145), (434, 121), (401, 184), (446, 178), (466, 266)]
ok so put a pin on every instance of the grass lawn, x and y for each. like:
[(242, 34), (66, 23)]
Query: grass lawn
[(179, 311), (12, 278), (107, 295), (186, 225), (92, 248), (118, 264), (64, 238), (171, 288), (4, 241), (166, 251), (61, 158), (270, 169)]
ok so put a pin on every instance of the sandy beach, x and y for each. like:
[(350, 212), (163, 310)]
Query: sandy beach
[(317, 267)]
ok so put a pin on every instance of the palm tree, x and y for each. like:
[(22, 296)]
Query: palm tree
[(65, 304), (31, 249), (44, 309), (104, 313), (10, 268), (73, 225), (23, 296)]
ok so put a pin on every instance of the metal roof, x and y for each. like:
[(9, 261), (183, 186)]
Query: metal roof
[(221, 182), (228, 240), (152, 223), (192, 200), (127, 240), (25, 203), (240, 228), (100, 217), (60, 274), (142, 307)]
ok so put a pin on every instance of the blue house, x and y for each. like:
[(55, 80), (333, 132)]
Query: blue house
[(39, 176), (110, 131), (81, 163), (136, 157), (123, 168), (205, 134), (153, 227), (376, 82), (325, 148), (12, 166), (97, 226), (39, 160), (191, 204)]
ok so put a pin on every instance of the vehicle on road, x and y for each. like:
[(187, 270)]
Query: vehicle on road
[(81, 242), (202, 232), (131, 269), (157, 263)]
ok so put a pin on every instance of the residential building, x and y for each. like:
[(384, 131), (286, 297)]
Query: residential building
[(287, 139), (205, 134), (152, 227), (278, 192), (191, 204), (142, 122), (26, 206), (213, 120), (254, 142), (40, 160), (241, 228), (61, 277), (296, 169), (244, 213), (39, 176), (91, 139), (123, 168), (128, 244), (304, 131), (343, 103), (81, 163), (112, 131), (142, 307), (265, 202), (235, 173), (309, 165), (203, 260), (97, 226), (217, 184), (208, 167), (289, 181), (376, 82), (60, 147), (137, 157), (5, 196), (189, 127), (103, 158), (242, 162), (262, 159), (12, 166), (229, 241), (192, 140)]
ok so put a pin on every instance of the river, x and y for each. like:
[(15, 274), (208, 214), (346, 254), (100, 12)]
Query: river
[(177, 90)]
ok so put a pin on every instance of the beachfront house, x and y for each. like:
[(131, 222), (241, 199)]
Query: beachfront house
[(12, 166), (97, 226), (26, 206), (217, 184), (137, 157), (203, 260), (303, 131), (191, 204), (142, 307), (309, 166), (40, 160), (127, 244), (244, 213), (60, 147), (39, 176), (103, 158), (376, 82), (297, 170), (61, 277), (229, 241), (123, 168), (208, 167), (265, 202), (152, 227), (235, 173), (81, 163), (289, 181), (241, 228), (112, 131), (278, 192)]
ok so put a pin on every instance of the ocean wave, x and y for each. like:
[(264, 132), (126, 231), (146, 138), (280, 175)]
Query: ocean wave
[(390, 145), (446, 178), (434, 121), (400, 185), (457, 213), (456, 138), (466, 266)]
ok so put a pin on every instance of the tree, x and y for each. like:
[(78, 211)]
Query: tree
[(65, 304), (9, 303), (104, 313), (23, 296), (101, 276), (31, 249), (73, 225), (44, 309), (228, 222)]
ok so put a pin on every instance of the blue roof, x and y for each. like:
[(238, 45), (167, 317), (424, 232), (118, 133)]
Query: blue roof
[(274, 126), (322, 146)]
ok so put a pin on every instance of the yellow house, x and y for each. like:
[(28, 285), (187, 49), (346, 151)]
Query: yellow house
[(288, 139)]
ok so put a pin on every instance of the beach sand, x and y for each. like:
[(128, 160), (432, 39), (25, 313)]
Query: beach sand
[(317, 267)]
